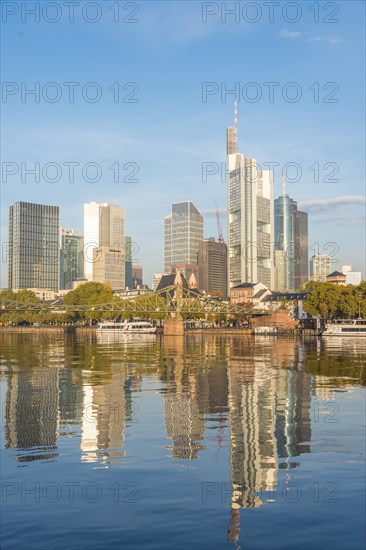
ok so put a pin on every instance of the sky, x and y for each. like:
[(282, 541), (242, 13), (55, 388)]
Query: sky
[(132, 100)]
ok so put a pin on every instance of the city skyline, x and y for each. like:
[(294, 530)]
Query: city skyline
[(172, 128)]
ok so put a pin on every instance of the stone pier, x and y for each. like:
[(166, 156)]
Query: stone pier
[(174, 325)]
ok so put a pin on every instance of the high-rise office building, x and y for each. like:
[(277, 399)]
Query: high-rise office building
[(128, 262), (302, 247), (33, 246), (137, 275), (71, 257), (320, 267), (104, 243), (291, 244), (212, 262), (183, 231), (250, 218)]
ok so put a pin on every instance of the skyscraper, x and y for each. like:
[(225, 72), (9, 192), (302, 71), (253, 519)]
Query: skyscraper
[(320, 267), (291, 244), (250, 218), (183, 230), (212, 261), (71, 257), (128, 262), (104, 243), (33, 246), (302, 247)]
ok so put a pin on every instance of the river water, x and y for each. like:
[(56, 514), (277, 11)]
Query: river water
[(198, 442)]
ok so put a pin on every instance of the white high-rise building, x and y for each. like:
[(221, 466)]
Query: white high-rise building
[(104, 242), (320, 267), (352, 277), (250, 218)]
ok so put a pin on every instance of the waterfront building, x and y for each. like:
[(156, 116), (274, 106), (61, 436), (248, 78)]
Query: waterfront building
[(183, 231), (104, 227), (320, 267), (33, 246), (337, 278), (212, 262), (250, 218), (71, 257), (291, 244)]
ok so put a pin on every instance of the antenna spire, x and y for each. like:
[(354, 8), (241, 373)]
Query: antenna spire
[(236, 114), (283, 185)]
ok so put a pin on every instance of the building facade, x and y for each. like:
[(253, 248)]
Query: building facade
[(183, 231), (71, 257), (290, 245), (104, 229), (34, 260), (250, 218), (128, 262), (320, 267), (352, 277), (137, 275), (108, 267), (212, 262)]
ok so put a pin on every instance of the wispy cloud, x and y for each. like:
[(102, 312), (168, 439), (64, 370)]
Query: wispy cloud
[(322, 205), (211, 212), (328, 39), (289, 34)]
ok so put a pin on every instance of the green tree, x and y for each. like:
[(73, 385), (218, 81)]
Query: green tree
[(90, 294)]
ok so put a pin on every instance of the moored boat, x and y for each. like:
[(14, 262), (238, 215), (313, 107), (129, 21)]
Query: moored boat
[(345, 327), (134, 327)]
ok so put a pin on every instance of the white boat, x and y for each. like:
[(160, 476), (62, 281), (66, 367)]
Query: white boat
[(345, 327), (135, 327)]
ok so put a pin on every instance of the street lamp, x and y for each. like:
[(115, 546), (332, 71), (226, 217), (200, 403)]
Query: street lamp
[(359, 305)]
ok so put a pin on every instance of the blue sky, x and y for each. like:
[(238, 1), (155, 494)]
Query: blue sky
[(170, 129)]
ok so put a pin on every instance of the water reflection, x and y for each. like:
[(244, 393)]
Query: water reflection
[(255, 396)]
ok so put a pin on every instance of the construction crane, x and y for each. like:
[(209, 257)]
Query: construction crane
[(219, 228)]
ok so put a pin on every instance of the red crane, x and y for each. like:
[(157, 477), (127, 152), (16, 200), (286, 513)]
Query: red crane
[(219, 228)]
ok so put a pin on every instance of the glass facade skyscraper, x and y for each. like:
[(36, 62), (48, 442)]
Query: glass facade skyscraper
[(71, 257), (291, 244), (183, 231), (33, 246)]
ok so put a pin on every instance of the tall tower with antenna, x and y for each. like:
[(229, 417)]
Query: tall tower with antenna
[(250, 216)]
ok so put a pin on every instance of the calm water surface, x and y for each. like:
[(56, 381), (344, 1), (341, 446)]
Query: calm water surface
[(168, 443)]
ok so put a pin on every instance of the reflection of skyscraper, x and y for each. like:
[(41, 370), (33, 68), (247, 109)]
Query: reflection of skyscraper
[(269, 419), (184, 424), (31, 414), (105, 408)]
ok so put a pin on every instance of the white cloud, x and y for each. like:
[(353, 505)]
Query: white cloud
[(329, 39), (321, 205), (289, 34)]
